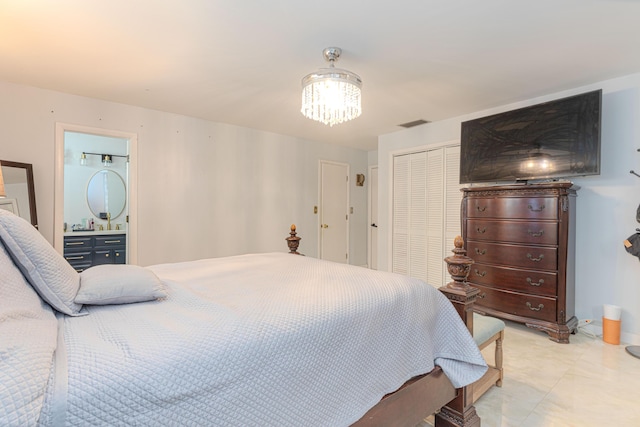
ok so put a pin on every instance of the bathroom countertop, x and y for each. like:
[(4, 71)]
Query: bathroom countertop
[(94, 232)]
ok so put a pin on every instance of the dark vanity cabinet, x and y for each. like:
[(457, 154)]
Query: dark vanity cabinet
[(85, 251)]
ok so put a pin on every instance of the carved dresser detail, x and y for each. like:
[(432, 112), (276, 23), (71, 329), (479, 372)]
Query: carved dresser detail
[(522, 238)]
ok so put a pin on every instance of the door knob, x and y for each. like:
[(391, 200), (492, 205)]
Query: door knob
[(374, 225), (324, 226)]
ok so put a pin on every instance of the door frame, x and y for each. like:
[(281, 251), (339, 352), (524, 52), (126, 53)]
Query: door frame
[(370, 216), (320, 201), (132, 185)]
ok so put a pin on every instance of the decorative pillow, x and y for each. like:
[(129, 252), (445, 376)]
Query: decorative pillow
[(46, 270), (18, 299), (118, 284)]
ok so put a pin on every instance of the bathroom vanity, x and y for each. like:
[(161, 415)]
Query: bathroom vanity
[(84, 249)]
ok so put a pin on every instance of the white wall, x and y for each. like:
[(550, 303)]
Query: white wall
[(606, 204), (204, 189)]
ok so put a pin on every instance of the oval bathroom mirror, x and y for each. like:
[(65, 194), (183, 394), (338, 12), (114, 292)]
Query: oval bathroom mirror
[(106, 193)]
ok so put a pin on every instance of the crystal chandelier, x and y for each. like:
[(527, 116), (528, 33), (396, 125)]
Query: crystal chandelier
[(331, 95)]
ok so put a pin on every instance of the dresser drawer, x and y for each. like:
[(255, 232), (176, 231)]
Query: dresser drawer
[(110, 241), (526, 281), (518, 304), (529, 257), (513, 207), (81, 267), (537, 233), (77, 257), (71, 243)]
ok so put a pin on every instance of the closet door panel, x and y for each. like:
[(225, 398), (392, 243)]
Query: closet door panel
[(426, 212), (453, 200), (435, 216), (418, 216), (401, 206)]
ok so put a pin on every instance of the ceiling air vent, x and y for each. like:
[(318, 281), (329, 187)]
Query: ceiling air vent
[(414, 123)]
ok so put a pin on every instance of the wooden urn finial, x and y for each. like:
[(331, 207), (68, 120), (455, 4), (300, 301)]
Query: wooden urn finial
[(459, 264), (293, 241)]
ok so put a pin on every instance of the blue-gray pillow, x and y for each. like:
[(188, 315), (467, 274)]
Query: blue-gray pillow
[(45, 269), (118, 284)]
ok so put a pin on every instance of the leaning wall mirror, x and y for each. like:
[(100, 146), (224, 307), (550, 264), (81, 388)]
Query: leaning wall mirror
[(18, 184), (106, 193)]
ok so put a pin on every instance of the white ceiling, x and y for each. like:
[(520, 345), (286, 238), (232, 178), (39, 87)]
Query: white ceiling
[(241, 61)]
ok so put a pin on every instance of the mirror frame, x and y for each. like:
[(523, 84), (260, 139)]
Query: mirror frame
[(121, 181), (30, 187)]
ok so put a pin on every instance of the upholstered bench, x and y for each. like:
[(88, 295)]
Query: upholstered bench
[(487, 330)]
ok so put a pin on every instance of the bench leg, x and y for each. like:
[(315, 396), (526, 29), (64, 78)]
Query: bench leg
[(499, 358)]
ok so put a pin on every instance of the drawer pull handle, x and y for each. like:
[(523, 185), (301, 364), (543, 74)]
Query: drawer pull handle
[(106, 255), (540, 307), (117, 253), (536, 233), (481, 230), (481, 209), (532, 283), (112, 241), (535, 259), (74, 257), (480, 273), (482, 295), (481, 252), (74, 243), (540, 209)]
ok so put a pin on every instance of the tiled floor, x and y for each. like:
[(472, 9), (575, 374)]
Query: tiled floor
[(585, 383)]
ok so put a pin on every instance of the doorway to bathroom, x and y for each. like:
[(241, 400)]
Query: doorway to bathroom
[(95, 204)]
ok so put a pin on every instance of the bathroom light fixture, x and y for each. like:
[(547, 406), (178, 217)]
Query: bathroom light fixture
[(106, 159), (331, 95)]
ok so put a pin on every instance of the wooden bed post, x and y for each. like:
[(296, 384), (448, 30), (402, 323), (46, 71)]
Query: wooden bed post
[(293, 241), (460, 412)]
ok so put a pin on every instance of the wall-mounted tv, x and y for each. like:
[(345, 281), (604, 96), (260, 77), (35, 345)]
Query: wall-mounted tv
[(552, 140)]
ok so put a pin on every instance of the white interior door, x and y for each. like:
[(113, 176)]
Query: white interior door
[(334, 211), (373, 218)]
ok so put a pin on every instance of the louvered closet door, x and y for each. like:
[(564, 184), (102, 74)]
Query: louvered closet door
[(400, 236), (435, 216), (410, 215), (452, 201), (418, 216), (426, 212)]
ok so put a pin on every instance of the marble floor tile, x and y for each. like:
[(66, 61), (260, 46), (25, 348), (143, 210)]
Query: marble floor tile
[(546, 384), (586, 383)]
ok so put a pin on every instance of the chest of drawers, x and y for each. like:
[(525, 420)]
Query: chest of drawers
[(85, 251), (522, 239)]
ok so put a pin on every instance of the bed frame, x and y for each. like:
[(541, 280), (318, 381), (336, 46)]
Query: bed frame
[(431, 393)]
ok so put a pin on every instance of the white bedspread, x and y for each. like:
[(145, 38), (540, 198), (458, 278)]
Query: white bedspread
[(259, 340)]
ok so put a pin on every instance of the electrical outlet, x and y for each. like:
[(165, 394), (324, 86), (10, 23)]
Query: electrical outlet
[(584, 322)]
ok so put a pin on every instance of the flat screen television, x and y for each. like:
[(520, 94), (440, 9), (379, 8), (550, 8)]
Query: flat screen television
[(554, 140)]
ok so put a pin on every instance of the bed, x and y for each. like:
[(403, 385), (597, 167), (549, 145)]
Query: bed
[(251, 340)]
